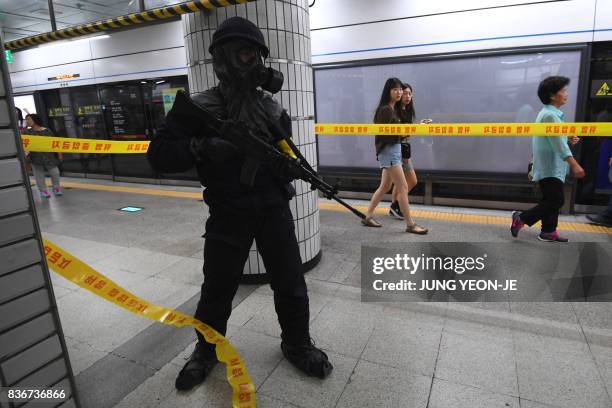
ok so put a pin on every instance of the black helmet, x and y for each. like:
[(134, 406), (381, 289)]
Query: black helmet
[(238, 27)]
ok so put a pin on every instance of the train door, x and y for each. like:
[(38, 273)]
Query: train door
[(89, 124), (595, 188), (125, 120), (159, 95)]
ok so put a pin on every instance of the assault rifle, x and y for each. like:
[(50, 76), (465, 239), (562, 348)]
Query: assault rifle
[(257, 149)]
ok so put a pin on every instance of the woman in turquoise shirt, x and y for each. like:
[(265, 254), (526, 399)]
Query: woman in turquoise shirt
[(551, 160)]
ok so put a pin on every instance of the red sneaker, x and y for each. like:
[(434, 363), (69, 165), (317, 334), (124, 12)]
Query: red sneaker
[(551, 237), (517, 224)]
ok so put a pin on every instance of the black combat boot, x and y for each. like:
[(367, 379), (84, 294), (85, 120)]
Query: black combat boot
[(308, 358), (197, 368)]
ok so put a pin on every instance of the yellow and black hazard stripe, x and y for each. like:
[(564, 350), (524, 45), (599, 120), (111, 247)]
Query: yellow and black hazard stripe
[(118, 23)]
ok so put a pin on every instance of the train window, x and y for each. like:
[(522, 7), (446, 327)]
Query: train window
[(130, 110), (87, 111), (76, 113), (472, 89)]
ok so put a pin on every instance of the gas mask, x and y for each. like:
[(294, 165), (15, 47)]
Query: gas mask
[(239, 64)]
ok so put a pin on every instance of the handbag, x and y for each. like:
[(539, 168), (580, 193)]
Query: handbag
[(406, 150)]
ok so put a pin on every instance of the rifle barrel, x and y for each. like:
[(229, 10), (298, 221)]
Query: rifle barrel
[(349, 207)]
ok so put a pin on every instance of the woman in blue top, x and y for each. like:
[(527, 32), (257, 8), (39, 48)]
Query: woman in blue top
[(551, 159)]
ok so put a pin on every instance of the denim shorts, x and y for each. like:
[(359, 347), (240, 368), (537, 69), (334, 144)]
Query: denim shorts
[(390, 155)]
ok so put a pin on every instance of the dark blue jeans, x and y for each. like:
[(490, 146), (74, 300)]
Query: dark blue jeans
[(608, 211)]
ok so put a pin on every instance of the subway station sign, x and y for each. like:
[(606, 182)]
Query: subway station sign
[(63, 77), (601, 88)]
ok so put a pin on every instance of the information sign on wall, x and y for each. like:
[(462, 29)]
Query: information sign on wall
[(168, 96)]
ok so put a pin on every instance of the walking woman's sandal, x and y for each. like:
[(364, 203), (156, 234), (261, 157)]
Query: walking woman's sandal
[(370, 222), (416, 229)]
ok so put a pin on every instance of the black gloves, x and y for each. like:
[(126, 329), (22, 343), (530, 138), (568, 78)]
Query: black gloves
[(288, 169), (214, 148), (224, 148)]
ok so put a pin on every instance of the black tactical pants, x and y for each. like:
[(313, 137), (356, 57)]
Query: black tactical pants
[(229, 236), (548, 206)]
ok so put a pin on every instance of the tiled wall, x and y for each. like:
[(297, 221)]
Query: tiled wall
[(32, 349), (285, 25)]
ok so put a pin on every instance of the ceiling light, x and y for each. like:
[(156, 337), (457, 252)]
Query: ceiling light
[(72, 42), (98, 37)]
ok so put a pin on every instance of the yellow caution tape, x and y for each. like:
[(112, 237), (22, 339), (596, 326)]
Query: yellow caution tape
[(71, 268), (34, 143), (468, 129)]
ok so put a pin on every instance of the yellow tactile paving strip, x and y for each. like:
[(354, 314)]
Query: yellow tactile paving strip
[(330, 206), (132, 190), (472, 218)]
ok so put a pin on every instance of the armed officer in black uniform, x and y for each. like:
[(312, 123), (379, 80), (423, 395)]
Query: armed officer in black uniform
[(245, 202)]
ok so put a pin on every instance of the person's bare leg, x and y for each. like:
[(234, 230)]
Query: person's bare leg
[(411, 179), (394, 194), (396, 174), (385, 185), (398, 178)]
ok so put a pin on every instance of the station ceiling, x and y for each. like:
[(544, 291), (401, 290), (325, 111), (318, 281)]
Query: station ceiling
[(19, 19)]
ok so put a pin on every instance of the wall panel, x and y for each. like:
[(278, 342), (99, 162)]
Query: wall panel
[(516, 26), (167, 62), (84, 69), (32, 348), (603, 21), (331, 13), (151, 38), (139, 53)]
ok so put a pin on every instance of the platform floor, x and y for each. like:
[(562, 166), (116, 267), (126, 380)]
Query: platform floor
[(436, 355)]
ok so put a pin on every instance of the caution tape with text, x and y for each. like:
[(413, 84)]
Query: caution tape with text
[(469, 129), (71, 268), (70, 145)]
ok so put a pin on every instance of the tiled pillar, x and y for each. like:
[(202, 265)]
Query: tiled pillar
[(285, 27)]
